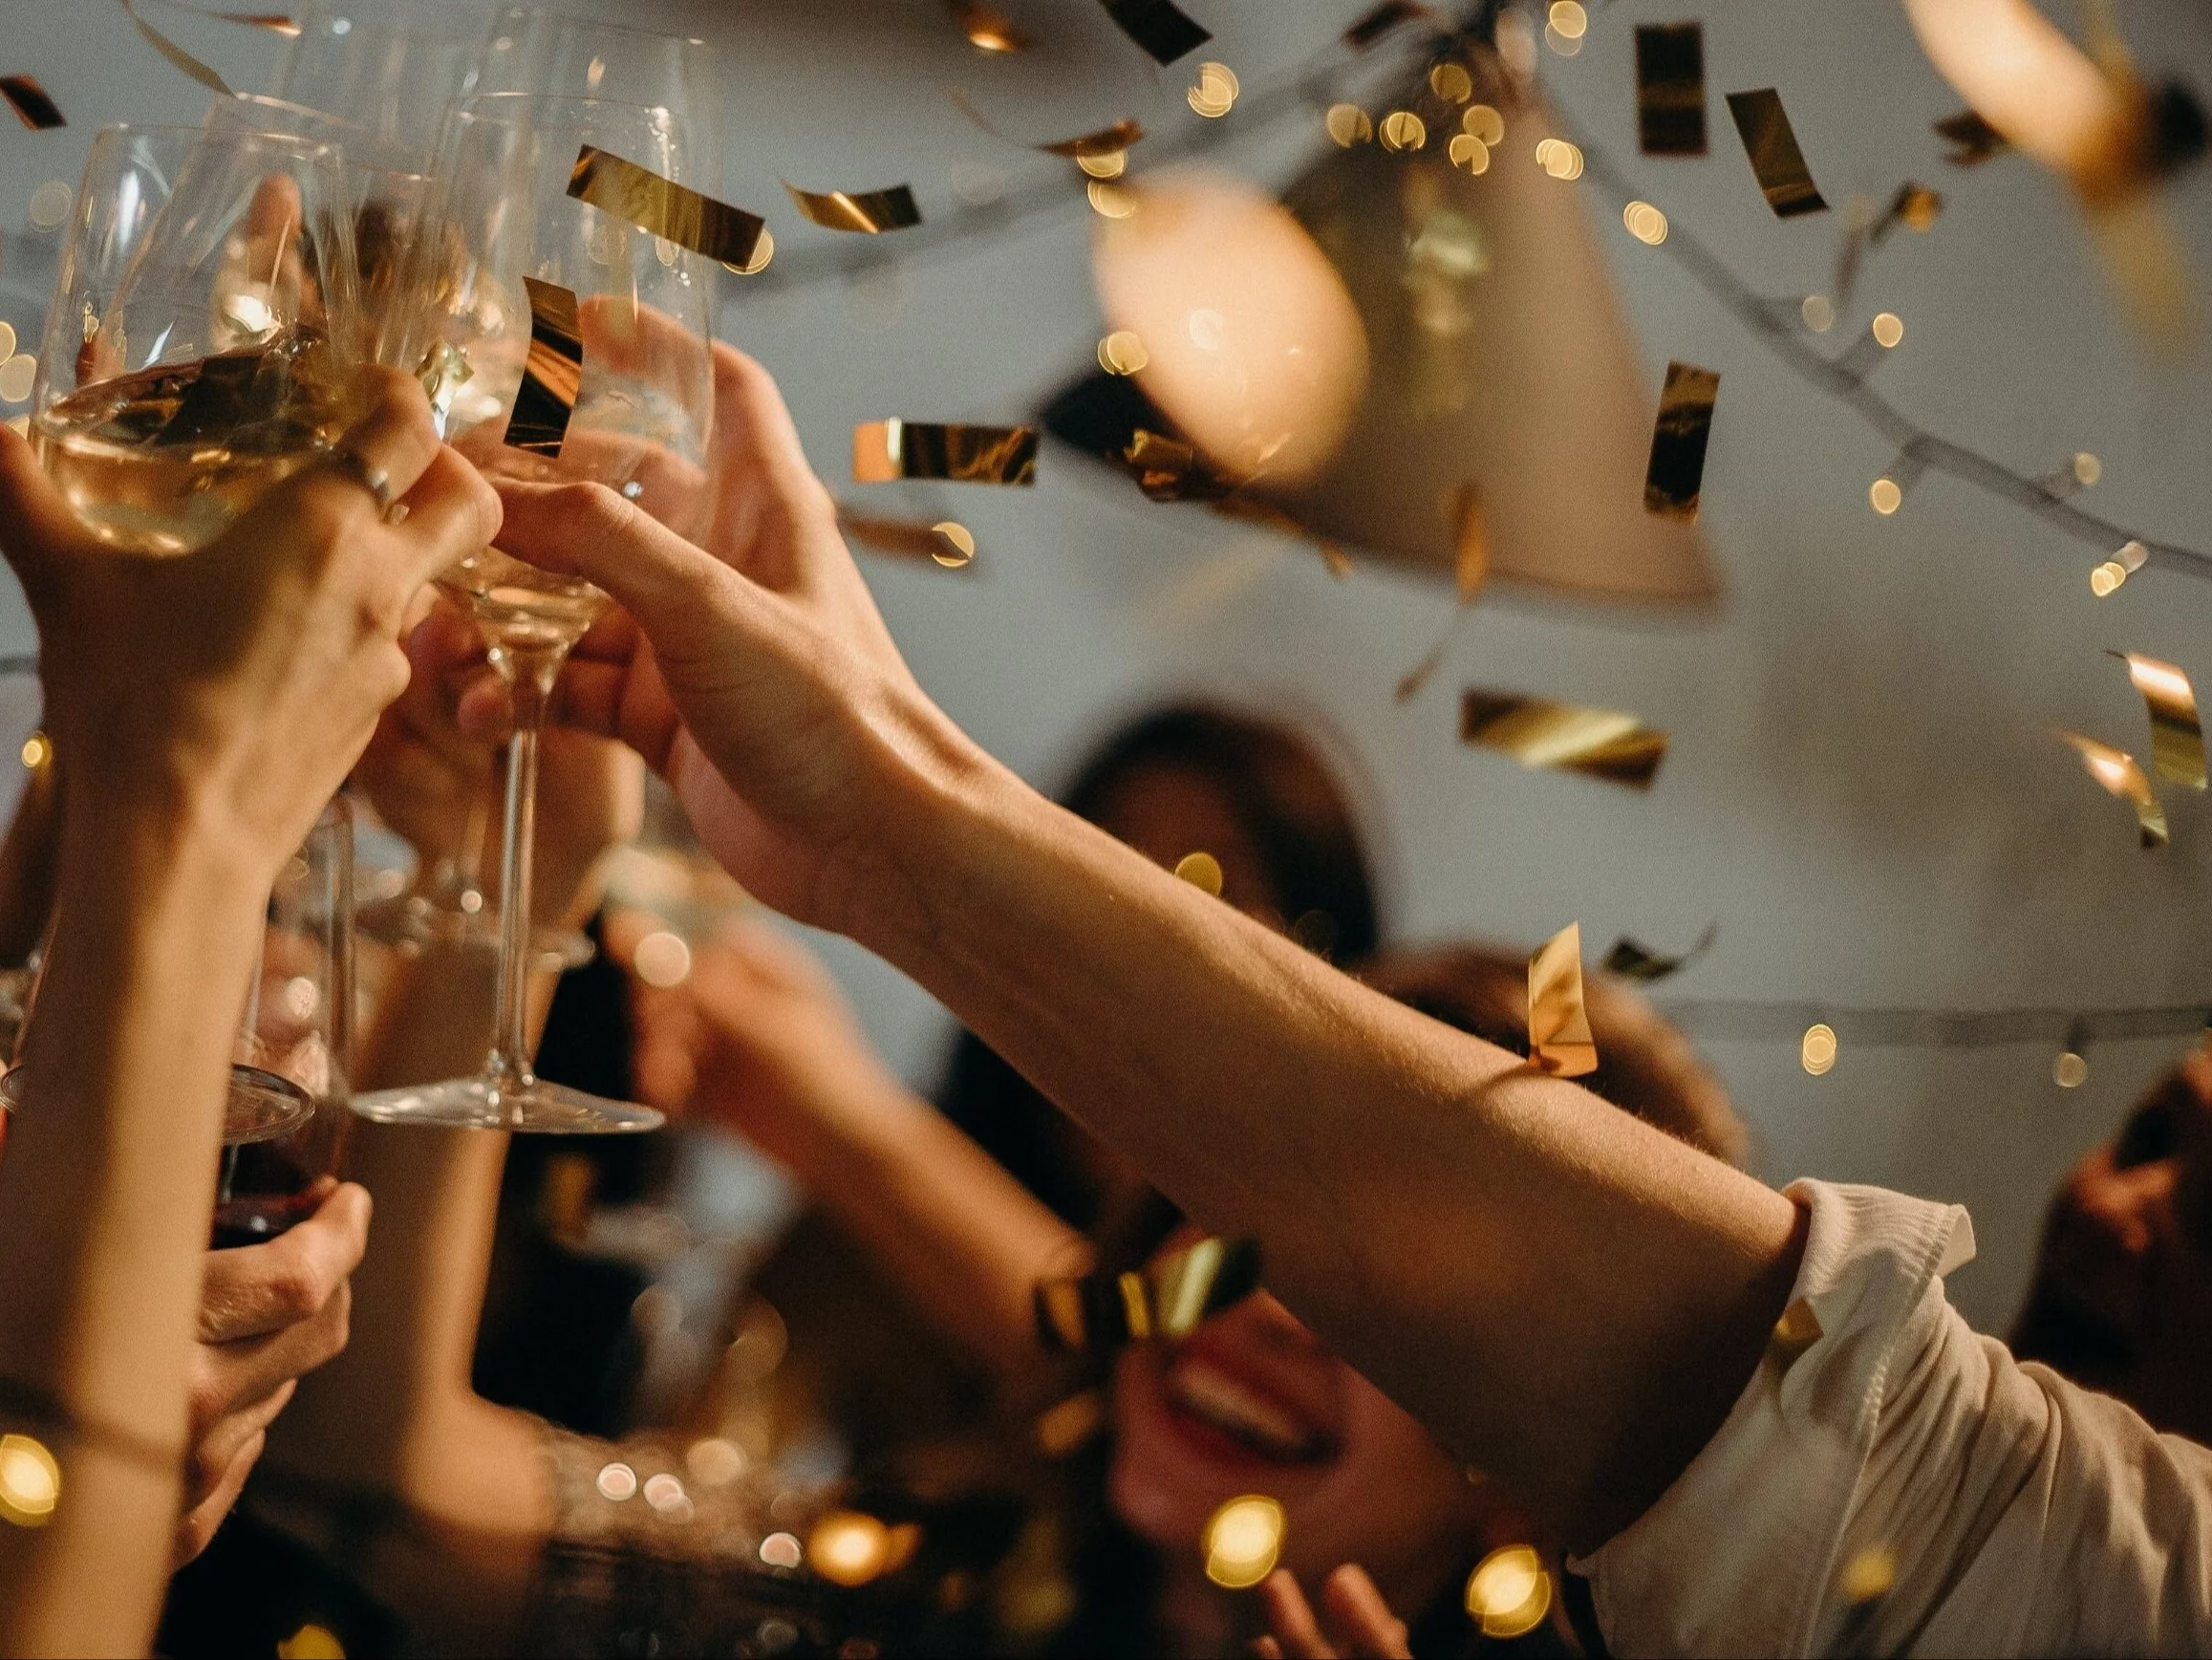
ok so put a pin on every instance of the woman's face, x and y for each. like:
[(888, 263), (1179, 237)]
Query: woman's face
[(1252, 1403)]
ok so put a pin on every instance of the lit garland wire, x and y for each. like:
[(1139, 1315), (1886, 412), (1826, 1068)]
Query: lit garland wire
[(1732, 1022)]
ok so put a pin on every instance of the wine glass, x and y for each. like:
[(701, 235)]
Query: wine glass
[(397, 69), (580, 58), (508, 238)]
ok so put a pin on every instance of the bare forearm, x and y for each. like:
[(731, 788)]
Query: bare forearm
[(104, 1202), (1567, 1296)]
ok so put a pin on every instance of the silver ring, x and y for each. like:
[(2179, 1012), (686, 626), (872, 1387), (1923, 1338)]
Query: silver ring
[(372, 478)]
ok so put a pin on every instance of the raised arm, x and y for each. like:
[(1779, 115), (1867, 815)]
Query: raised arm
[(209, 706), (1569, 1298)]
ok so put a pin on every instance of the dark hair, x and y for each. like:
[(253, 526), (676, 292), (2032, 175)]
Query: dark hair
[(1301, 824)]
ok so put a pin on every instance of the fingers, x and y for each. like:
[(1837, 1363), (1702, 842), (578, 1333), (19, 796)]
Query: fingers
[(591, 532), (198, 1528), (1291, 1619), (35, 520), (226, 1377), (1360, 1620), (396, 437), (217, 1449), (451, 513), (259, 1290)]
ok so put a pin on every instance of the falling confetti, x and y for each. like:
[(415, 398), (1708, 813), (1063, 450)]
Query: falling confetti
[(866, 212), (2176, 738), (1161, 27), (1671, 89), (1632, 961), (1559, 1040), (1674, 478), (666, 208), (885, 450), (1564, 737), (2119, 774), (31, 103), (1772, 147), (553, 373)]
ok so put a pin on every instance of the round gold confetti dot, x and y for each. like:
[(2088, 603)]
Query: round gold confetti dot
[(7, 341), (16, 376), (764, 250), (50, 204), (1113, 201), (1201, 870), (1509, 1593), (36, 749), (1402, 130), (1452, 83), (715, 1462), (1484, 122), (30, 1481), (1122, 353), (1348, 125), (781, 1550), (662, 960), (1110, 165), (1646, 223), (1868, 1575), (1565, 45), (956, 544), (1568, 17), (1243, 1541), (2105, 580), (617, 1482), (1816, 1052), (1559, 159), (1469, 152), (2069, 1072), (1888, 328), (2087, 470), (1884, 496), (1215, 93), (1819, 313), (848, 1548), (312, 1642)]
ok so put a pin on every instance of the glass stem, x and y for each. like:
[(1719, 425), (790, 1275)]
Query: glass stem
[(528, 671)]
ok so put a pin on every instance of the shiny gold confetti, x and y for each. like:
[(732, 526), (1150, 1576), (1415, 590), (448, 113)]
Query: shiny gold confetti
[(1202, 871), (1450, 82), (1484, 121), (2069, 1072), (671, 211), (1168, 469), (1644, 222), (1242, 1542), (2176, 739), (987, 28), (2119, 774), (1215, 94), (1101, 1312), (1471, 543), (1671, 89), (276, 22), (1913, 206), (1973, 141), (1348, 125), (1122, 353), (178, 58), (1818, 312), (1603, 744), (30, 1481), (1371, 26), (1158, 25), (31, 103), (1402, 130), (1105, 142), (2086, 469), (847, 1547), (783, 1550), (863, 212), (1817, 1050), (1776, 161), (312, 1642), (553, 373), (1509, 1592), (883, 450), (37, 750), (1868, 1575), (1112, 164), (1632, 961), (1674, 477), (1559, 1041)]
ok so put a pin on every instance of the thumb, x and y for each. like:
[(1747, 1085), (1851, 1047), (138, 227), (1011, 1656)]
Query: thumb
[(37, 526)]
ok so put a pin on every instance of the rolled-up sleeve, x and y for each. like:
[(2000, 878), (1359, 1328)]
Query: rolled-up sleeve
[(1890, 1482)]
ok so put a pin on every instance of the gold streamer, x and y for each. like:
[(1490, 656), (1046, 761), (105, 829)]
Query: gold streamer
[(2177, 737), (670, 210), (2118, 773), (1559, 1040), (987, 28), (1158, 25), (868, 212), (1671, 89), (1776, 161), (885, 450), (177, 55), (31, 103), (1562, 737), (1674, 478), (553, 373), (1101, 1312)]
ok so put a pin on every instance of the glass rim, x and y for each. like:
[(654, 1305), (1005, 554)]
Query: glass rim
[(478, 107), (596, 25), (198, 134)]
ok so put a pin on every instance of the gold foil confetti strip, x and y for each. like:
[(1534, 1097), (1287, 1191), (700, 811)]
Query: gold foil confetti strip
[(1632, 961), (1776, 161), (276, 22), (1471, 543), (180, 59), (1167, 469), (2176, 738), (1105, 142), (1605, 744), (1372, 25), (1559, 1041), (2119, 774), (31, 103), (1101, 1312), (1158, 25), (673, 213), (987, 28), (552, 375), (2106, 579), (868, 212), (1674, 478), (883, 450), (1973, 141), (1215, 94), (1671, 89)]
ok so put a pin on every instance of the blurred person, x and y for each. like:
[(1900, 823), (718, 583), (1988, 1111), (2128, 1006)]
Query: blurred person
[(254, 673), (1569, 1299)]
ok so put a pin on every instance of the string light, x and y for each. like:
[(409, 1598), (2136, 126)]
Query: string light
[(1402, 130), (1888, 329), (1885, 495), (1817, 1050), (30, 1481), (1348, 125), (1243, 1541), (1110, 165), (847, 1547), (1646, 223), (2069, 1072), (1818, 312), (1509, 1592)]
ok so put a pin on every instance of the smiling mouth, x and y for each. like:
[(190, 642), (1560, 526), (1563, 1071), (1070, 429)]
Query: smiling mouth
[(1198, 1389)]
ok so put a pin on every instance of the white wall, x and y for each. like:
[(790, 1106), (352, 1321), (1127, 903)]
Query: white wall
[(1862, 788)]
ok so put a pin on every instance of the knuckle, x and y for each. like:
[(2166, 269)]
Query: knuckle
[(296, 1291)]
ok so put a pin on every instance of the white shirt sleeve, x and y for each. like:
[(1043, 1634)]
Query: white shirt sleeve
[(2010, 1512)]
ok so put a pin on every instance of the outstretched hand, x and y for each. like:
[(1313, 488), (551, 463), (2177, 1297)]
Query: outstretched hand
[(1358, 1621)]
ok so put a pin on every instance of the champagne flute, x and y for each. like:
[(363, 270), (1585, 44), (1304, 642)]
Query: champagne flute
[(642, 408), (582, 58)]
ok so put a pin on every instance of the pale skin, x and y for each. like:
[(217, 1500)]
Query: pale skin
[(257, 668), (1568, 1297)]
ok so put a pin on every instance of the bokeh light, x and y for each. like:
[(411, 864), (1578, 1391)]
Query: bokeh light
[(1243, 1541), (1885, 495), (1509, 1592), (30, 1481), (1816, 1050), (848, 1548)]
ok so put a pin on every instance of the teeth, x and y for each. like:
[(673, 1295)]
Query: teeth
[(1214, 1398)]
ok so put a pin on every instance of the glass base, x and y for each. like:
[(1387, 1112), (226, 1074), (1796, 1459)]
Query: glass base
[(414, 921), (531, 1106), (261, 1107)]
